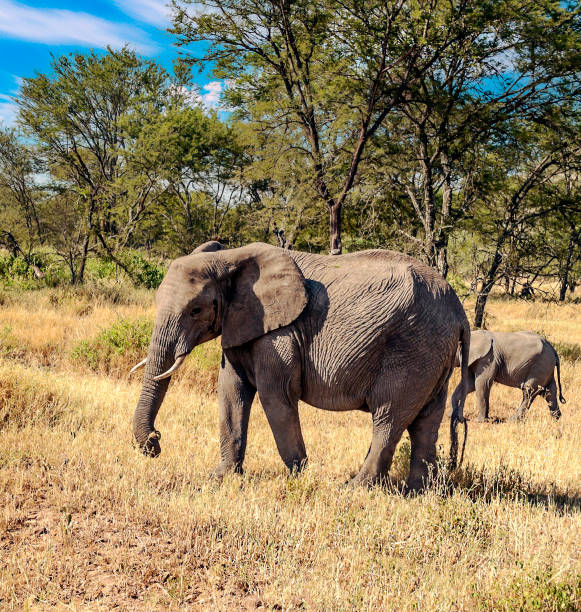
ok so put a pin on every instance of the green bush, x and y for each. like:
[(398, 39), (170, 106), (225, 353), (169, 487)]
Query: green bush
[(144, 272), (568, 351), (535, 591), (101, 268), (16, 273), (115, 348), (458, 284), (16, 268)]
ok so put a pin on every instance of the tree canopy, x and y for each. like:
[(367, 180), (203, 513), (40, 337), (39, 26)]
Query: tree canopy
[(449, 130)]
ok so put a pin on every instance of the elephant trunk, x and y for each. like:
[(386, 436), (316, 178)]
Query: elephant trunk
[(161, 356), (152, 394)]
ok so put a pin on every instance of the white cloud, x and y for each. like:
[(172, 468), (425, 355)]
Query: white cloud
[(214, 90), (155, 12), (8, 110), (60, 26), (211, 99)]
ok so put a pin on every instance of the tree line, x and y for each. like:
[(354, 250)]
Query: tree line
[(447, 129)]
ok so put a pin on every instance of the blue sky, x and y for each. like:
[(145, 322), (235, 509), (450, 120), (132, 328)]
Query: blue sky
[(31, 30)]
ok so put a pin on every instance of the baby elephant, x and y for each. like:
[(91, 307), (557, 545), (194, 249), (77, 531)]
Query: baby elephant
[(516, 359)]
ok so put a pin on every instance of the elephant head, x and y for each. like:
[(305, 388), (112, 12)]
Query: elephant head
[(239, 293)]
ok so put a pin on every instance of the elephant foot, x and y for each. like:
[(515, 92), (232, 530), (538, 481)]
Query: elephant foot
[(413, 487), (481, 419), (217, 474), (516, 418), (296, 466), (368, 481)]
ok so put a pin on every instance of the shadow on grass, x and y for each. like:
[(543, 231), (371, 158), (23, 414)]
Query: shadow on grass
[(504, 483)]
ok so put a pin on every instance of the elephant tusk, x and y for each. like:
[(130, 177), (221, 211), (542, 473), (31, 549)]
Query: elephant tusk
[(139, 365), (175, 366)]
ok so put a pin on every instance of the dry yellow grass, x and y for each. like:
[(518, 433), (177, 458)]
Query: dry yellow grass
[(87, 522)]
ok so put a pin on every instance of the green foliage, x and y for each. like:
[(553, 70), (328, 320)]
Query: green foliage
[(465, 163), (17, 273), (8, 344), (102, 268), (568, 351), (12, 267), (206, 356), (144, 272), (535, 591), (114, 347)]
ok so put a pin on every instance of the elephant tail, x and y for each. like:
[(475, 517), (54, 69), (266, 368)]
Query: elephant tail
[(561, 398), (458, 400)]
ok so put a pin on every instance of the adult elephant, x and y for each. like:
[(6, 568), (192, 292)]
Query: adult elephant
[(517, 359), (375, 331)]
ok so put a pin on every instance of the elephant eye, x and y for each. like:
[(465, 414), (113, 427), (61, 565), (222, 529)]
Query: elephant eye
[(196, 311)]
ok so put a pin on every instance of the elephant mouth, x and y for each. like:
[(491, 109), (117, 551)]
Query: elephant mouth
[(174, 368)]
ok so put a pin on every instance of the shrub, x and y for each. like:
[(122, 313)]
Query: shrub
[(119, 347), (458, 284), (143, 272), (116, 348), (8, 344), (539, 591), (568, 351), (101, 268)]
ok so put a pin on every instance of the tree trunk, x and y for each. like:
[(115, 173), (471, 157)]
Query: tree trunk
[(336, 246), (565, 277), (443, 232), (429, 203), (83, 262), (488, 284), (442, 254)]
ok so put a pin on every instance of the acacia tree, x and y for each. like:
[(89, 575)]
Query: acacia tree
[(511, 59), (200, 162), (317, 80), (18, 167), (76, 115), (555, 245), (525, 164), (20, 196)]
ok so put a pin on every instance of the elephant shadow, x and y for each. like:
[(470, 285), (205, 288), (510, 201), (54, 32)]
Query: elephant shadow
[(505, 483)]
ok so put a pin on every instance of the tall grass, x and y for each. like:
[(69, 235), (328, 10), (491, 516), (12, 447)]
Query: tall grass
[(87, 522)]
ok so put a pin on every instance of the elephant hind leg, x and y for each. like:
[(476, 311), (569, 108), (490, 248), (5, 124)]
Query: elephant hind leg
[(483, 386), (423, 433), (528, 396), (386, 434), (551, 398)]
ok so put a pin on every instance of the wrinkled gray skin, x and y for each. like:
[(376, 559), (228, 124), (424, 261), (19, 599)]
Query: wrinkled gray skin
[(516, 359), (375, 331)]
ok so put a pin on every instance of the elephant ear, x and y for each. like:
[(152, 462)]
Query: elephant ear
[(208, 247), (480, 345), (266, 291)]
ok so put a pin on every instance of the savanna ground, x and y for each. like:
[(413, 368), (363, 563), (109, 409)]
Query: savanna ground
[(88, 522)]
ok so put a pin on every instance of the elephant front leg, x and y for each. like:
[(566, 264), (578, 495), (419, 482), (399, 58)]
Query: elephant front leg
[(283, 418), (483, 386), (278, 380), (235, 396)]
